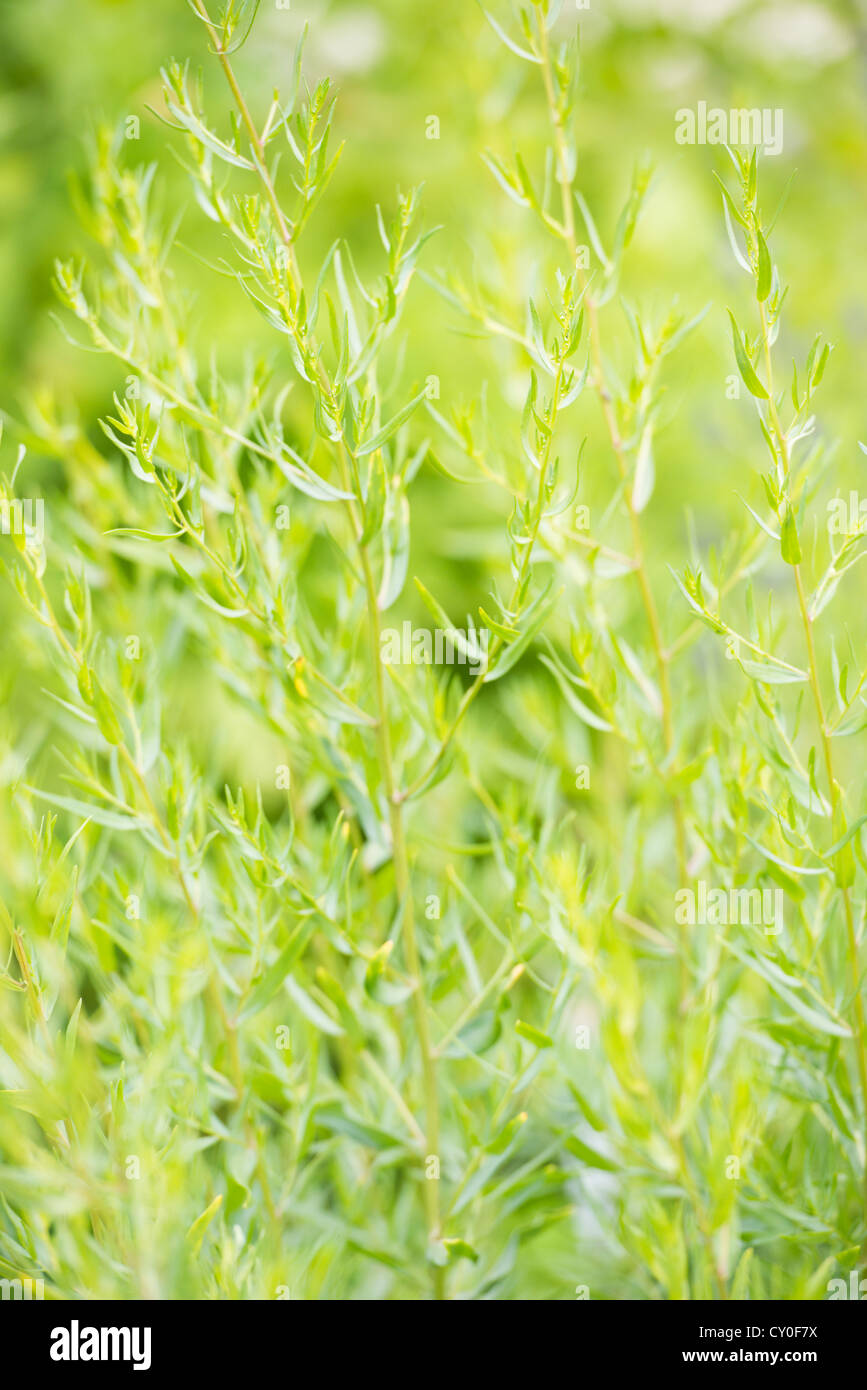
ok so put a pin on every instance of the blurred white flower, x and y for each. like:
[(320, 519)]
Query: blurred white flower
[(353, 41), (804, 31)]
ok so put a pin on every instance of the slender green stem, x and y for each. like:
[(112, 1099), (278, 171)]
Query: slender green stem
[(662, 656), (229, 1025), (403, 884), (402, 873), (472, 692), (835, 793)]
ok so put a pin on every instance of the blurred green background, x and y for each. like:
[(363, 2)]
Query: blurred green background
[(64, 69), (67, 68)]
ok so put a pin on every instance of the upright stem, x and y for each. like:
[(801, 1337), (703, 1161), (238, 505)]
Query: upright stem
[(538, 511), (403, 886), (402, 873), (662, 656), (828, 756)]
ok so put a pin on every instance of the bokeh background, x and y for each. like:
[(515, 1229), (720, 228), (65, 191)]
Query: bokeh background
[(64, 69)]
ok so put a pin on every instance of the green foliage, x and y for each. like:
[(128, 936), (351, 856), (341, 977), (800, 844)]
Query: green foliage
[(325, 977)]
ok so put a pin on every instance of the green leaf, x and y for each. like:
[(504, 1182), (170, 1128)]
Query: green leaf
[(510, 43), (383, 435), (732, 205), (577, 706), (645, 473), (786, 987), (771, 675), (745, 366), (112, 820), (311, 1010), (589, 1156), (533, 1035), (460, 1250), (505, 1136), (269, 983), (196, 1232), (508, 656), (476, 1036), (790, 545), (844, 840), (338, 1119)]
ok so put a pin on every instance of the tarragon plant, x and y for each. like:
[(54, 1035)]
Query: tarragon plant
[(393, 962)]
